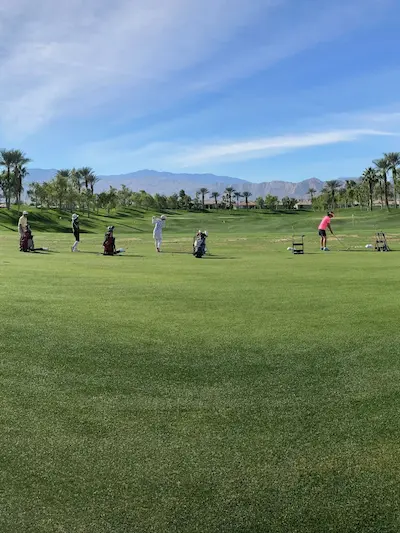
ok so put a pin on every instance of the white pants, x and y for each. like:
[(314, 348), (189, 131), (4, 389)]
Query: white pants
[(157, 239), (75, 246)]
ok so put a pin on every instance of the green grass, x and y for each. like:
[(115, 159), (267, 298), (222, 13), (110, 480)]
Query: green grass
[(251, 391)]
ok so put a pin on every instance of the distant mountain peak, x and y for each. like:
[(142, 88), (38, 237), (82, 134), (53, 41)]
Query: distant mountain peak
[(164, 182)]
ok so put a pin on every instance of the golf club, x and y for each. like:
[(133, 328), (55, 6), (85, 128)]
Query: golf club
[(341, 242)]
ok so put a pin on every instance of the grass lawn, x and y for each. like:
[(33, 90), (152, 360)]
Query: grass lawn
[(250, 391)]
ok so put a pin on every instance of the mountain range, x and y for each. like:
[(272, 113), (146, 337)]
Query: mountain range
[(168, 183)]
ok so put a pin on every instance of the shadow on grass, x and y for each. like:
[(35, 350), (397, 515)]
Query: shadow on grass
[(366, 251), (173, 253), (131, 227), (219, 257)]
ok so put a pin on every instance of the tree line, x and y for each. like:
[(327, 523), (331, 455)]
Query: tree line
[(73, 189), (377, 184)]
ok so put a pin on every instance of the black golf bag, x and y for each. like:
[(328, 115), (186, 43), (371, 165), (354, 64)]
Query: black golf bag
[(199, 244), (26, 241)]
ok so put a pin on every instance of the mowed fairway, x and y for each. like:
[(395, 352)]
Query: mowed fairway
[(250, 391)]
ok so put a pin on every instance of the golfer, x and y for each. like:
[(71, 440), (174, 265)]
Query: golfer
[(325, 223), (75, 231), (22, 227), (159, 224)]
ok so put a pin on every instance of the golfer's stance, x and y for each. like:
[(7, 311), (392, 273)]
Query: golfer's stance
[(325, 223), (75, 231), (159, 224), (22, 227)]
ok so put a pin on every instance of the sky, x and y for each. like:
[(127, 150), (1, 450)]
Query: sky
[(260, 90)]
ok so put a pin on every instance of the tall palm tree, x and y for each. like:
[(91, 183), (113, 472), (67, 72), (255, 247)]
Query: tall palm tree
[(89, 178), (311, 191), (229, 192), (246, 196), (92, 182), (76, 180), (383, 167), (20, 160), (331, 187), (393, 160), (86, 174), (237, 196), (203, 191), (215, 195), (7, 161), (370, 178), (350, 187)]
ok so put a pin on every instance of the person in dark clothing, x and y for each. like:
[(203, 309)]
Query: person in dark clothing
[(75, 230)]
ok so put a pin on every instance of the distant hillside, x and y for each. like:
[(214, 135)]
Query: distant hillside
[(169, 183)]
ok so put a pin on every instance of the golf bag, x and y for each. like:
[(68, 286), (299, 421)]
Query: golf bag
[(199, 244), (109, 244), (26, 241)]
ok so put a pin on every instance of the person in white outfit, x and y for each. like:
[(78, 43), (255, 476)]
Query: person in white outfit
[(22, 226), (159, 224)]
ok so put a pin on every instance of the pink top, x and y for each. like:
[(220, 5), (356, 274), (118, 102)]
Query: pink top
[(325, 222)]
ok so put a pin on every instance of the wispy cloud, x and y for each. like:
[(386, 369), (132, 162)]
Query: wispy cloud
[(199, 155), (270, 146), (61, 59)]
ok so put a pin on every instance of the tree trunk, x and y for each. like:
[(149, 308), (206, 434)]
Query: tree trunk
[(386, 193), (394, 177), (8, 195)]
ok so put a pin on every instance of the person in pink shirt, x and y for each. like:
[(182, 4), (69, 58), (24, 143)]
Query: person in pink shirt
[(324, 225)]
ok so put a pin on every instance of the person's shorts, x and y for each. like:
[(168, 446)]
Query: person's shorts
[(322, 233), (76, 235)]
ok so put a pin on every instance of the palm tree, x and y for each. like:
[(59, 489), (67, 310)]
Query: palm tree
[(383, 167), (89, 178), (331, 188), (203, 191), (215, 195), (237, 195), (92, 182), (86, 174), (7, 161), (76, 180), (229, 192), (393, 160), (370, 178), (19, 162), (246, 196), (350, 187), (311, 191)]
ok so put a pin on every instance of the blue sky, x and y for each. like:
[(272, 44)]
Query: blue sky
[(262, 90)]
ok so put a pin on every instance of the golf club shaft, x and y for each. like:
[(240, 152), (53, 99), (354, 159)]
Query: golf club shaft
[(341, 242)]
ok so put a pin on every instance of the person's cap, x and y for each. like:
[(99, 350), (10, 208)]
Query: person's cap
[(75, 216), (163, 217), (110, 228), (25, 213), (331, 214)]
